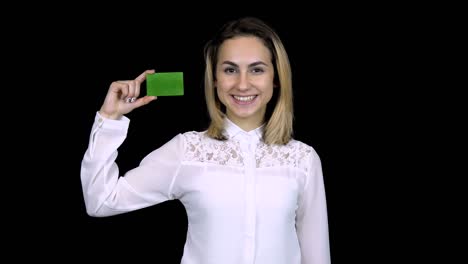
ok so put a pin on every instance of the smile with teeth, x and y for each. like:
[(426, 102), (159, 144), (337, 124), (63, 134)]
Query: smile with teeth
[(244, 98)]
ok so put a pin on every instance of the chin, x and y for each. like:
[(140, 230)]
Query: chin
[(243, 114)]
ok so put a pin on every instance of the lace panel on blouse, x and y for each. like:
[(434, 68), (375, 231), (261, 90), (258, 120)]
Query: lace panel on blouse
[(201, 148)]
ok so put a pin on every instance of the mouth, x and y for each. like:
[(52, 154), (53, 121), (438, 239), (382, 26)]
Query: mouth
[(244, 100)]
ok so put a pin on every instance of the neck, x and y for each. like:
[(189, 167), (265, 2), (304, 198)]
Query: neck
[(247, 124)]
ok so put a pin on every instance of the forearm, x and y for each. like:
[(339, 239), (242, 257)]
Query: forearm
[(99, 172)]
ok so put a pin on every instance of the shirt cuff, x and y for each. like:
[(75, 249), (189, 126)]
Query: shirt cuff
[(114, 124)]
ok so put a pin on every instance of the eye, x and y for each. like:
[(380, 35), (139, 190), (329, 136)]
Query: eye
[(257, 70), (230, 70)]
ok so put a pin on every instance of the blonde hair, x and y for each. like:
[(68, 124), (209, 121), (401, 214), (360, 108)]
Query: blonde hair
[(279, 115)]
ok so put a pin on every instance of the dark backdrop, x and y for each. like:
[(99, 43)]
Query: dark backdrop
[(350, 78)]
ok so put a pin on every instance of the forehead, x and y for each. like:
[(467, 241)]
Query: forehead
[(244, 47)]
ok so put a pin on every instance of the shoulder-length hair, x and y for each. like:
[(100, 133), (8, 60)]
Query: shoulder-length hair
[(278, 127)]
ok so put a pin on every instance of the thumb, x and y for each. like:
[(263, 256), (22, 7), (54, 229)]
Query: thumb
[(145, 100)]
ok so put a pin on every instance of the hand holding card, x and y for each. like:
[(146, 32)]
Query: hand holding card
[(165, 84)]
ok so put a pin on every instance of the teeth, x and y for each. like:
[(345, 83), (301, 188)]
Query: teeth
[(244, 98)]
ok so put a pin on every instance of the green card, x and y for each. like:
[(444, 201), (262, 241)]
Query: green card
[(165, 84)]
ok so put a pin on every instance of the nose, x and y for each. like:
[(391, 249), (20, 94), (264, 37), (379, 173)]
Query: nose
[(243, 83)]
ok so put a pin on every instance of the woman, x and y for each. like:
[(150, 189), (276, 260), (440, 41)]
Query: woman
[(252, 193)]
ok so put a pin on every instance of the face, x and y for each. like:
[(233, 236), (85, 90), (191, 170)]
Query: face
[(244, 79)]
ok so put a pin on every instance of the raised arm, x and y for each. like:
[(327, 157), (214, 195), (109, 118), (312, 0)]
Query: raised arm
[(105, 191)]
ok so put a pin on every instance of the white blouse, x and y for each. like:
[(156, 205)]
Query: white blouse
[(246, 202)]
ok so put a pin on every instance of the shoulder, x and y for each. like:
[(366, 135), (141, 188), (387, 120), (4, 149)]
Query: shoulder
[(295, 154), (306, 155), (302, 148), (199, 140), (194, 137)]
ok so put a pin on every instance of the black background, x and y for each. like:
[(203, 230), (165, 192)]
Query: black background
[(355, 74)]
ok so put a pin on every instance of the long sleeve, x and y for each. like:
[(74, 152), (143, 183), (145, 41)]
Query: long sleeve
[(105, 191), (312, 218)]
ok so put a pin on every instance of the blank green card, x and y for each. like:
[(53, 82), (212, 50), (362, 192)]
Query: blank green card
[(165, 84)]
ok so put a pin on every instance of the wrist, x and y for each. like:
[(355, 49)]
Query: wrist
[(110, 116)]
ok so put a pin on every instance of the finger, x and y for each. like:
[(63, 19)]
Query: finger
[(131, 89), (120, 88), (145, 100), (138, 81), (142, 77), (136, 92)]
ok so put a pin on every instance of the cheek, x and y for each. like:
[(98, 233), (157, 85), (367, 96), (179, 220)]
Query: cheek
[(221, 93), (268, 89), (222, 86), (268, 94)]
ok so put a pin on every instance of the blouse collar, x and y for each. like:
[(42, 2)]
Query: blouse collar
[(234, 130)]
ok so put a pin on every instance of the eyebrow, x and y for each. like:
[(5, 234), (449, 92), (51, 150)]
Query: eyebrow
[(250, 65)]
